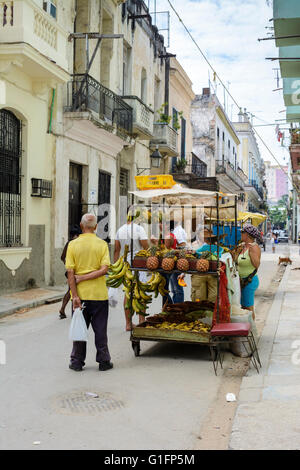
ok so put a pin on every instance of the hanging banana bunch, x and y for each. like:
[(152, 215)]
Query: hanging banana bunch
[(120, 273)]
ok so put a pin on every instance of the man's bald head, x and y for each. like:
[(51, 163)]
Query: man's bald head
[(88, 223)]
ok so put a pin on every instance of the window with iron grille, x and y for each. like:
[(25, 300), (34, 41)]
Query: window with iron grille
[(10, 179), (124, 182)]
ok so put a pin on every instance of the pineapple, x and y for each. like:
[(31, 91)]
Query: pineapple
[(153, 260), (182, 263), (202, 265), (168, 262)]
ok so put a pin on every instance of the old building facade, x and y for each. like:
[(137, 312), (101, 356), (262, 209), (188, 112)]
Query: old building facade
[(216, 143), (252, 164), (82, 87), (34, 51)]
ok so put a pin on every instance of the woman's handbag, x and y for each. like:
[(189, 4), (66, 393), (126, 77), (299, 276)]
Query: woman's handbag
[(246, 280)]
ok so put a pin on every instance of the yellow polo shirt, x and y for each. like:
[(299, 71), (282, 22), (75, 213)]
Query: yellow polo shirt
[(85, 254)]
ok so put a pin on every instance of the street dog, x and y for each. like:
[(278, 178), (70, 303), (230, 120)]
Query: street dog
[(284, 260)]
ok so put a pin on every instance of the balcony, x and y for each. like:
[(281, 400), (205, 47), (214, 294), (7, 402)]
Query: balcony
[(226, 170), (296, 179), (287, 21), (32, 39), (295, 152), (253, 187), (242, 175), (196, 167), (109, 111), (166, 139), (194, 174), (142, 118)]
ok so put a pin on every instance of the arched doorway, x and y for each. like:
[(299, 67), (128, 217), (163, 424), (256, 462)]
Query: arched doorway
[(10, 179)]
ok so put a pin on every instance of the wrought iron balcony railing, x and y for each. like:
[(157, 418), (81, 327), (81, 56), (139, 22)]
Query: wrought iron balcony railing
[(259, 190), (199, 168), (84, 93), (225, 167)]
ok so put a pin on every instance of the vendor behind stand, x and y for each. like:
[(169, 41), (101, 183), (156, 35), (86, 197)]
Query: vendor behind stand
[(170, 242), (140, 241), (205, 287), (248, 264)]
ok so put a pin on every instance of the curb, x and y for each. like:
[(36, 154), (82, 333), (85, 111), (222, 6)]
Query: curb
[(253, 384), (32, 304), (266, 340)]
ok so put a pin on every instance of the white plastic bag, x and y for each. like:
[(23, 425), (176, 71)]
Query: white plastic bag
[(78, 329), (236, 296), (112, 297)]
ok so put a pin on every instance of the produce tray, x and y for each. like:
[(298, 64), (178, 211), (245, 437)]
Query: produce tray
[(139, 262), (140, 332), (159, 270)]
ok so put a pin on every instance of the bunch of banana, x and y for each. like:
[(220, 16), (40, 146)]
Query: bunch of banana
[(157, 284), (116, 273), (196, 327), (143, 253), (119, 272)]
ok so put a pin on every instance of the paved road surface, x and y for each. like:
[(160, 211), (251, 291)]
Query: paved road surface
[(156, 401)]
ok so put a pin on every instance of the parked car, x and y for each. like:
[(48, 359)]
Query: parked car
[(283, 237)]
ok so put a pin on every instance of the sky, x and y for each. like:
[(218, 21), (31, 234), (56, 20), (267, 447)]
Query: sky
[(227, 31)]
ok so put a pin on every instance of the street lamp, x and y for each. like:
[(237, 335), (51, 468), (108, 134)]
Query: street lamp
[(155, 158)]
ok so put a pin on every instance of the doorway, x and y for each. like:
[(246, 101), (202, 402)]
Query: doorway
[(104, 212), (75, 195)]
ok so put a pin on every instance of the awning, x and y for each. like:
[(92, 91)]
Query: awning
[(177, 190), (255, 217)]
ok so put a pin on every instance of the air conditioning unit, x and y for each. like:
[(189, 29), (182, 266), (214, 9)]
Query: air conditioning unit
[(41, 188), (50, 8)]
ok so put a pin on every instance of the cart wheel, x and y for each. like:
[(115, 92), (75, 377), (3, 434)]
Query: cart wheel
[(136, 348)]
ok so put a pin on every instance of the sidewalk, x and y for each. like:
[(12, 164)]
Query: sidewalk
[(12, 303), (267, 416)]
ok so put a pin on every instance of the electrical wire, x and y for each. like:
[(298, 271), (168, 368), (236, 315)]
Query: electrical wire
[(225, 88)]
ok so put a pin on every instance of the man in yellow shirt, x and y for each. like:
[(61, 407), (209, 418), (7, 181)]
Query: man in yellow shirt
[(87, 262)]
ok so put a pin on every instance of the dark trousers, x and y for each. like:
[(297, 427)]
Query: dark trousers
[(177, 290), (167, 297), (96, 314)]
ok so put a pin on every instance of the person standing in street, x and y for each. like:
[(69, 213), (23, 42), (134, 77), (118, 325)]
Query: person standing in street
[(273, 238), (177, 290), (74, 233), (248, 264), (140, 241), (87, 263)]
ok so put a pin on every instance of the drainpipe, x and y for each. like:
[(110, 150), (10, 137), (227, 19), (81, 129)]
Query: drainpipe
[(51, 112), (167, 85)]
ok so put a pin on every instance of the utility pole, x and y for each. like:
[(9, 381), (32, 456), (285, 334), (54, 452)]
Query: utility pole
[(167, 58)]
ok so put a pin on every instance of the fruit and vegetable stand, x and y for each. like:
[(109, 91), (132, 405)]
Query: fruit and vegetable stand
[(188, 323)]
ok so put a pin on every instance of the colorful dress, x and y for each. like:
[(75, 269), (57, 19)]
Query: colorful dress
[(245, 268)]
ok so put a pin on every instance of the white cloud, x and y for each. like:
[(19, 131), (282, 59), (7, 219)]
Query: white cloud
[(227, 31)]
